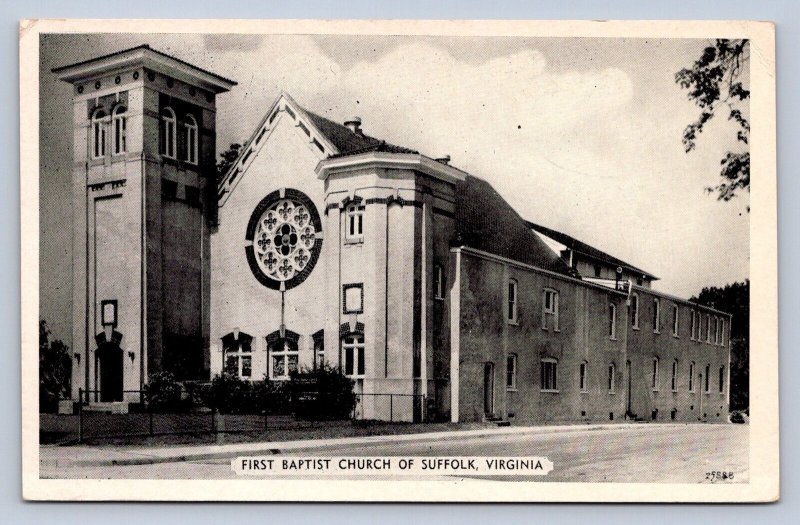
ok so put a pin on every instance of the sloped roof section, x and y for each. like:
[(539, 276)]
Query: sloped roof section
[(589, 251), (485, 221), (348, 142)]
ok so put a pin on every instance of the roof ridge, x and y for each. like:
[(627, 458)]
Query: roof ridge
[(599, 254)]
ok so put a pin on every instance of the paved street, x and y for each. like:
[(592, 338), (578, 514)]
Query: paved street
[(635, 453)]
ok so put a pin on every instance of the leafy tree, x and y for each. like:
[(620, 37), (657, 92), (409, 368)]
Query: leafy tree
[(55, 370), (734, 299), (226, 160), (714, 84)]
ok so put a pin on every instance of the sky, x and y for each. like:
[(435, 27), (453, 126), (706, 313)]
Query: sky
[(582, 135)]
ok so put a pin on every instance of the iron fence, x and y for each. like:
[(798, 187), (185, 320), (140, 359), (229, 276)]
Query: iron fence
[(136, 417)]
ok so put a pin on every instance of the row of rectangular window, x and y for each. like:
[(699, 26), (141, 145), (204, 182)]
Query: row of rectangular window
[(283, 358), (548, 376), (674, 378), (714, 336), (550, 309)]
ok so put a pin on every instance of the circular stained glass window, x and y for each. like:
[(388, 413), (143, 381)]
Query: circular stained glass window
[(284, 238)]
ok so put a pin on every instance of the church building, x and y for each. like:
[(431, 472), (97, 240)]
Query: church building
[(325, 245)]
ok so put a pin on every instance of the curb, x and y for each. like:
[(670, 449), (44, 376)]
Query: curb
[(275, 448)]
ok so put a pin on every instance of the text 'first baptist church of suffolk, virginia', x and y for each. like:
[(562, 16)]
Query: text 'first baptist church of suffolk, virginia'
[(325, 245)]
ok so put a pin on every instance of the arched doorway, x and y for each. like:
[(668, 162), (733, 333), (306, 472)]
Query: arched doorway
[(109, 361), (488, 389)]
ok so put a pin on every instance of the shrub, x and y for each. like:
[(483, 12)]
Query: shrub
[(322, 394), (163, 392), (55, 370), (230, 395)]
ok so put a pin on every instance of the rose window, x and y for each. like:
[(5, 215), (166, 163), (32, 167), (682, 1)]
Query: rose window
[(286, 235)]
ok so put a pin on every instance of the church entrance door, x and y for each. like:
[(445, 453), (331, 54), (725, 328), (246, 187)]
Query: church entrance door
[(109, 358)]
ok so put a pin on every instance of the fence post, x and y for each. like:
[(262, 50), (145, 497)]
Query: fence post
[(150, 412), (80, 415)]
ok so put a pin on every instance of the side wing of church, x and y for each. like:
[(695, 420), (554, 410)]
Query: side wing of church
[(325, 246)]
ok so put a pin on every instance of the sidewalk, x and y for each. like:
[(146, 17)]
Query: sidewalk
[(56, 456)]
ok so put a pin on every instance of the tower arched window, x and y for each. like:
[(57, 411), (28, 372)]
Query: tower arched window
[(167, 143), (191, 140), (119, 129), (99, 126)]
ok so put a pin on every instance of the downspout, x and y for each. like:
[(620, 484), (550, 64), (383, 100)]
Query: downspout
[(455, 339), (143, 284), (386, 301), (88, 307), (423, 340)]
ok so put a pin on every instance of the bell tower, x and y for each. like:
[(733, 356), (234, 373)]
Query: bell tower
[(144, 199)]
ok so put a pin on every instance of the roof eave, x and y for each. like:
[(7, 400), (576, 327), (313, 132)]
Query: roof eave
[(378, 159), (143, 56)]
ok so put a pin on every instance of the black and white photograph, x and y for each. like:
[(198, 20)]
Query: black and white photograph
[(492, 260)]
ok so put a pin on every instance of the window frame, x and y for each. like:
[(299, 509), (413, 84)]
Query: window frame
[(612, 378), (358, 355), (655, 380), (635, 311), (674, 378), (512, 299), (612, 321), (722, 332), (168, 143), (708, 328), (721, 379), (707, 379), (511, 372), (347, 309), (691, 377), (692, 324), (583, 377), (676, 313), (192, 140), (119, 130), (553, 311), (239, 353), (319, 353), (354, 222), (656, 315), (99, 133), (545, 363), (288, 350)]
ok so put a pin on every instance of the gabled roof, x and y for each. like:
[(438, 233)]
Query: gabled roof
[(348, 142), (589, 251), (485, 221)]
